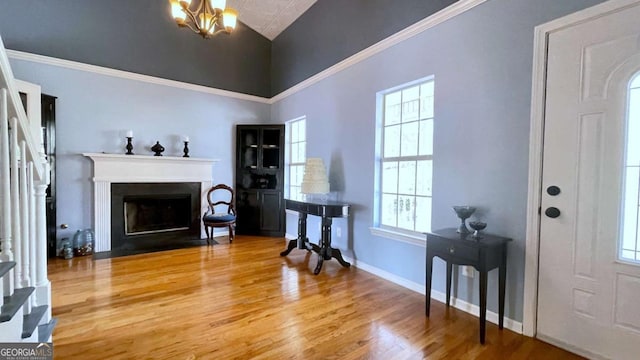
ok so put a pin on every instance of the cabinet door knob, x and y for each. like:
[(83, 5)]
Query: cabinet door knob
[(552, 212), (452, 250)]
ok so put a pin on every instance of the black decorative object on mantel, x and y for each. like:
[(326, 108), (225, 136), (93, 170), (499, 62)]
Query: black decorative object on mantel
[(157, 149), (186, 149), (129, 146)]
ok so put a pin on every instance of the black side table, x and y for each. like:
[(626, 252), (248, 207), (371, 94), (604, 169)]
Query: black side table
[(484, 253), (327, 210)]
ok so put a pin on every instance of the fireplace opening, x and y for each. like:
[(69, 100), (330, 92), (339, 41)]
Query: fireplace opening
[(154, 216), (143, 215)]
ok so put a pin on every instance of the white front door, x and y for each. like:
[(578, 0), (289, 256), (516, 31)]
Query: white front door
[(588, 298)]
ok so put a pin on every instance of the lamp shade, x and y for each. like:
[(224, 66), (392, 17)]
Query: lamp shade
[(218, 4), (314, 180), (230, 18), (176, 11)]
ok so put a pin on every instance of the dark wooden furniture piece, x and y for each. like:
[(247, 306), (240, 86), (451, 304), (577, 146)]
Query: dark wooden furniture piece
[(212, 219), (260, 180), (327, 210), (48, 108), (484, 253)]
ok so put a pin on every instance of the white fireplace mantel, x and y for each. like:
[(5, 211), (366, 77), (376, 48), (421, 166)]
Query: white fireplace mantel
[(117, 168)]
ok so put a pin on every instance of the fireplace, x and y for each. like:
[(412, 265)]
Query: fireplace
[(152, 216), (157, 214), (143, 182)]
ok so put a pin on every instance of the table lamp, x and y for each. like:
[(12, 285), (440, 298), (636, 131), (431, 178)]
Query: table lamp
[(314, 180)]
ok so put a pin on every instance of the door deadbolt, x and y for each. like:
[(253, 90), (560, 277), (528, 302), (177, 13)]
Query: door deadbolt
[(553, 190)]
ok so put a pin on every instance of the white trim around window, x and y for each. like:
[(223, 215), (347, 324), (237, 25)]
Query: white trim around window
[(295, 156), (404, 161)]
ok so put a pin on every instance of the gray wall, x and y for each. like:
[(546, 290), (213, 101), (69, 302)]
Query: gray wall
[(332, 30), (94, 111), (482, 63), (138, 36)]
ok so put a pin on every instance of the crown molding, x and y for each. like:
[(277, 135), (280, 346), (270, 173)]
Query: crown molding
[(74, 65), (427, 23)]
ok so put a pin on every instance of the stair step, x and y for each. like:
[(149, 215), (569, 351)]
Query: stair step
[(14, 302), (45, 330), (6, 266), (31, 320)]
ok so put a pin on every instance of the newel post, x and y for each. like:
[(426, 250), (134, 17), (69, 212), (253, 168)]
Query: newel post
[(43, 286)]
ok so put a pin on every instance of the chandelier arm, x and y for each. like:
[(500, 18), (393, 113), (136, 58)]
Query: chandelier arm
[(219, 31), (192, 17), (192, 28), (215, 19)]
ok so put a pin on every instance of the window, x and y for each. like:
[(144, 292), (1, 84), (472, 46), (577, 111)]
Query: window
[(296, 154), (405, 168), (630, 240)]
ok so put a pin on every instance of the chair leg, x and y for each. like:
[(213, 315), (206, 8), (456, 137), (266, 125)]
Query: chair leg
[(206, 229), (230, 234)]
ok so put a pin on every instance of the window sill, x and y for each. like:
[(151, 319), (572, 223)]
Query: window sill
[(414, 239)]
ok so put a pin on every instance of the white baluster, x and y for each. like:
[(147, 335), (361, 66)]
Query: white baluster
[(5, 234), (5, 190), (24, 214), (32, 228), (24, 218), (15, 203)]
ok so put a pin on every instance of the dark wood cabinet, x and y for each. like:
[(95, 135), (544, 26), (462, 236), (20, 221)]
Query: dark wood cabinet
[(260, 180)]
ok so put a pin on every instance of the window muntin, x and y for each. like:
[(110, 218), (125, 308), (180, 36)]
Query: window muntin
[(296, 135), (406, 160), (630, 237)]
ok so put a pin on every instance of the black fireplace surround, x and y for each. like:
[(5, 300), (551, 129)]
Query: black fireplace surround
[(159, 216)]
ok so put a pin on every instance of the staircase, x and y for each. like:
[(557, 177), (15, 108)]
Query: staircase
[(25, 291)]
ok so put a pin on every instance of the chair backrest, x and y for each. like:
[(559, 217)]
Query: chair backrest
[(215, 198)]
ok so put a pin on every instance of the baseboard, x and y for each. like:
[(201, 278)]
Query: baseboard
[(288, 237), (513, 325)]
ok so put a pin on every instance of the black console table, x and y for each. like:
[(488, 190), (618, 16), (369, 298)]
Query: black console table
[(327, 210), (484, 253)]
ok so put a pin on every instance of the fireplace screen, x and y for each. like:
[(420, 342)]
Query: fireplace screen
[(156, 215)]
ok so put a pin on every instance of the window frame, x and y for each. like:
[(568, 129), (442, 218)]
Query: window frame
[(289, 144), (387, 231), (633, 84)]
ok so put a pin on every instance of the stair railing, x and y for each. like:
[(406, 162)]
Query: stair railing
[(24, 177)]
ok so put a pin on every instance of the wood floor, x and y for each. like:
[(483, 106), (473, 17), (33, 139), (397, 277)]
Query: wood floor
[(244, 301)]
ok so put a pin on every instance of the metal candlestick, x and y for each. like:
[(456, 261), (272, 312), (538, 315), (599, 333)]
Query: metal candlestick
[(129, 146), (186, 149)]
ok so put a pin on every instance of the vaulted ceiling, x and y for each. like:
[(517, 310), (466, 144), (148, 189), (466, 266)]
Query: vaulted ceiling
[(269, 17)]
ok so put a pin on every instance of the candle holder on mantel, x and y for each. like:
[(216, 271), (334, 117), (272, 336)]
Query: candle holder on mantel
[(186, 149), (157, 149), (129, 146)]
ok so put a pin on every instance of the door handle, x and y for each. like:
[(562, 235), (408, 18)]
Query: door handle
[(552, 212)]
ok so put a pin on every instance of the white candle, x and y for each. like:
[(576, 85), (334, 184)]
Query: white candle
[(129, 133), (185, 138)]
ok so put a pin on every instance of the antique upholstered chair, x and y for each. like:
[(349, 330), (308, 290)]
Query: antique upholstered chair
[(221, 197)]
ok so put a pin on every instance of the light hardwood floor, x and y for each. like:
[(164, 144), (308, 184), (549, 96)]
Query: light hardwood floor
[(244, 301)]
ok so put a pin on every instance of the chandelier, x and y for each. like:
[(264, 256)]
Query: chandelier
[(209, 18)]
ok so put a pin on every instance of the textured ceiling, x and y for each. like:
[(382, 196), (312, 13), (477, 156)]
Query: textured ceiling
[(269, 17)]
